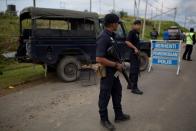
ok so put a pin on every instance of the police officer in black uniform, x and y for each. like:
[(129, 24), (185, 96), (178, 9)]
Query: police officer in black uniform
[(133, 42), (110, 84), (154, 34)]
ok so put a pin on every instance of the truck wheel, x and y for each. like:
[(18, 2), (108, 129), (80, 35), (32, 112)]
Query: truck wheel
[(144, 61), (68, 69)]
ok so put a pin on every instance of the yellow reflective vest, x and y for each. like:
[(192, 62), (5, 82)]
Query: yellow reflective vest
[(189, 38)]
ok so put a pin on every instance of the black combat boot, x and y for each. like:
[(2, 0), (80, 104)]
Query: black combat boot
[(183, 58), (189, 60), (123, 117), (137, 91), (108, 125)]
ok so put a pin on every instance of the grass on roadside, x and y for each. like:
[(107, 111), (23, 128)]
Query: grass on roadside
[(14, 66), (20, 75)]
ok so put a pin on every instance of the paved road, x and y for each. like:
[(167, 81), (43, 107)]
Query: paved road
[(168, 104)]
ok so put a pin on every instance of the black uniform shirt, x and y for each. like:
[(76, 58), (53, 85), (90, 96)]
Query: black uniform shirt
[(154, 34), (104, 41), (133, 37)]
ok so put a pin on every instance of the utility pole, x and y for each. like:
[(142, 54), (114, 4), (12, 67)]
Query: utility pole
[(135, 5), (155, 22), (138, 5), (114, 5), (6, 3), (34, 3), (99, 6), (151, 13), (136, 8), (161, 18), (144, 24), (175, 13), (90, 5), (62, 4), (185, 18)]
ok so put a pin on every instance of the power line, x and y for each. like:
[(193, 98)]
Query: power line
[(166, 12), (158, 3), (154, 7), (157, 9)]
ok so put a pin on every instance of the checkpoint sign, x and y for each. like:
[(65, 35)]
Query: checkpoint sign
[(165, 53)]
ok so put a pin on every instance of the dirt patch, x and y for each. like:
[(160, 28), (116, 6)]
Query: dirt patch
[(50, 77)]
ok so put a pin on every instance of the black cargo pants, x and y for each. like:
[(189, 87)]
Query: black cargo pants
[(188, 52), (134, 70), (110, 86)]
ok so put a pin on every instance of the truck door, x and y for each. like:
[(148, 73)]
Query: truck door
[(25, 35), (121, 38)]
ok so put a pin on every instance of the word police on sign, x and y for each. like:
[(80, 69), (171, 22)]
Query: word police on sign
[(165, 53)]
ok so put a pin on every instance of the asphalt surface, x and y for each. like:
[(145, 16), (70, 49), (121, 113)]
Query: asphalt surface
[(168, 104)]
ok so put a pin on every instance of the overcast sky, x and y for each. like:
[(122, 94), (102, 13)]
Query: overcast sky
[(184, 7)]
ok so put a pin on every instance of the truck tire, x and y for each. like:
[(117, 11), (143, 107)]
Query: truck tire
[(68, 69), (144, 61)]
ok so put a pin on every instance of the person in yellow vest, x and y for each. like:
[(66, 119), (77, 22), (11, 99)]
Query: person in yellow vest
[(190, 41)]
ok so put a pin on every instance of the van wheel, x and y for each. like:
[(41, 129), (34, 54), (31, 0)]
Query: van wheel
[(68, 69), (144, 61)]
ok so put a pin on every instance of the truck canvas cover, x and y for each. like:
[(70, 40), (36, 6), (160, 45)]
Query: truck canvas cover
[(31, 12)]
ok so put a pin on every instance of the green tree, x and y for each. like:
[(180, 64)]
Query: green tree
[(122, 13)]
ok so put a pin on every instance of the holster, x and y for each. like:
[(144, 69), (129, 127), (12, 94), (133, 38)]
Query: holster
[(101, 71)]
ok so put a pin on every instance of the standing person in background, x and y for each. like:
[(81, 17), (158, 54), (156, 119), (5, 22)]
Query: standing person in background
[(165, 35), (154, 34), (190, 41), (133, 42)]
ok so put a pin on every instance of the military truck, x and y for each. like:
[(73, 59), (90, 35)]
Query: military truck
[(64, 40)]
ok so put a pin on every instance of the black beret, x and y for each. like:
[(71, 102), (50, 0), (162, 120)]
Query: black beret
[(137, 22), (111, 18)]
